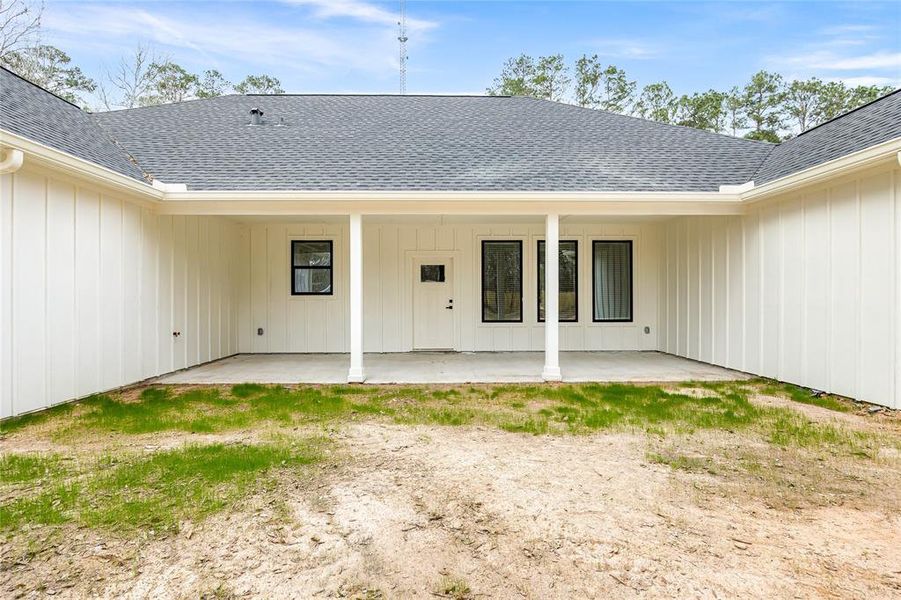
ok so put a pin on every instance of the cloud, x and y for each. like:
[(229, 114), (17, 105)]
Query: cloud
[(867, 80), (623, 48), (254, 41), (828, 60), (362, 11), (836, 55)]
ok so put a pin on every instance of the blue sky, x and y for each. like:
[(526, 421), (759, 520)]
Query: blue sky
[(458, 47)]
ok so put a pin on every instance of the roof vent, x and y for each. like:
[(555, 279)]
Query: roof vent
[(256, 116)]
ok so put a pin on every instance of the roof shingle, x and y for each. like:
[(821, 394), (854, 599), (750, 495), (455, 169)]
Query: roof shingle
[(34, 113)]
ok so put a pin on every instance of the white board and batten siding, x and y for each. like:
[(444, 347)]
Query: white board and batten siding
[(319, 324), (805, 288), (92, 286)]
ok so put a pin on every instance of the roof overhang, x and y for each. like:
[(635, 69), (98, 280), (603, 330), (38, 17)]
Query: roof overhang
[(63, 161), (173, 198)]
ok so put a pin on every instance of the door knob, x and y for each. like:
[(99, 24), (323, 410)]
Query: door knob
[(451, 307)]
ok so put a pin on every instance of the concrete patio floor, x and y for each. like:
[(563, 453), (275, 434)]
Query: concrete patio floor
[(451, 367)]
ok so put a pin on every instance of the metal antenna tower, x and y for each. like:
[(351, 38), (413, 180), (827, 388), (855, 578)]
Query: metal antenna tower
[(402, 42)]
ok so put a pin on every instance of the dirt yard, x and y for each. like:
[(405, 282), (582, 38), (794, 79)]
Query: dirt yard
[(474, 511)]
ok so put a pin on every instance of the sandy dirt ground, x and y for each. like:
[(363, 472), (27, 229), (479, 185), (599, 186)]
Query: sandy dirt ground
[(418, 512)]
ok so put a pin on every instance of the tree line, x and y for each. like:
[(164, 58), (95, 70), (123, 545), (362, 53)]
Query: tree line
[(767, 107), (141, 78)]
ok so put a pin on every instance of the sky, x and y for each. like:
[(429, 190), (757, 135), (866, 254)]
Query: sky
[(341, 46)]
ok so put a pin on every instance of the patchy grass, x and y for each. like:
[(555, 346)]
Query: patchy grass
[(533, 409), (25, 468), (804, 395), (455, 588), (156, 491)]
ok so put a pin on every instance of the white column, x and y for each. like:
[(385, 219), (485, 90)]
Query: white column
[(551, 299), (355, 374)]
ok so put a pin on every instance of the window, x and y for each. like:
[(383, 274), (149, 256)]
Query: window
[(311, 268), (568, 304), (501, 281), (431, 273), (612, 278)]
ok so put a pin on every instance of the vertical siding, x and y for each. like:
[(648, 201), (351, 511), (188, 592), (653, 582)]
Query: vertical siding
[(804, 289), (92, 286), (318, 324)]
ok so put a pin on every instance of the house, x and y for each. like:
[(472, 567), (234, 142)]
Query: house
[(143, 241)]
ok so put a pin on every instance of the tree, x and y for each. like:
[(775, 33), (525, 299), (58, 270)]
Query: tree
[(259, 84), (551, 78), (735, 111), (763, 97), (833, 101), (588, 80), (864, 94), (617, 92), (705, 110), (133, 81), (211, 85), (515, 78), (657, 102), (49, 68), (172, 83), (801, 101), (20, 23)]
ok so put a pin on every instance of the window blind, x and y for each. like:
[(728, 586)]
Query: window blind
[(501, 281), (568, 281), (612, 278)]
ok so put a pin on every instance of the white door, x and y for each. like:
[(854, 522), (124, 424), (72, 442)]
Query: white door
[(433, 304)]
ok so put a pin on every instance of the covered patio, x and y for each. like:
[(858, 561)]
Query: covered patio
[(451, 367)]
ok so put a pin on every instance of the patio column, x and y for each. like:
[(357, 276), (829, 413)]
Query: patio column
[(551, 299), (355, 374)]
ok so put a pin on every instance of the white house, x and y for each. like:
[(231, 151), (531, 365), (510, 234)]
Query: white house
[(139, 242)]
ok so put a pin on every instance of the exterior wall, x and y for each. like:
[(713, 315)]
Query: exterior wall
[(804, 289), (92, 287), (319, 324)]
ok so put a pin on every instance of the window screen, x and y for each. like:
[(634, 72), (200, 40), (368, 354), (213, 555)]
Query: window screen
[(311, 268), (502, 281), (568, 304), (612, 280)]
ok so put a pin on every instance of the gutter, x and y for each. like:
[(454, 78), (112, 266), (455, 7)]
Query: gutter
[(47, 156), (177, 199)]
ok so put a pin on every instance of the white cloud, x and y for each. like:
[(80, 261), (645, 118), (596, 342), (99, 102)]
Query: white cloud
[(363, 11), (623, 48), (831, 60), (236, 37), (866, 80)]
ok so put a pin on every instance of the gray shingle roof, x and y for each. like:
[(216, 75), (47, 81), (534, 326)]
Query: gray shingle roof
[(423, 143), (871, 124), (450, 143), (34, 113)]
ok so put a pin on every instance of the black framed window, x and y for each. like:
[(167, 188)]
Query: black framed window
[(311, 268), (501, 281), (568, 302), (611, 274)]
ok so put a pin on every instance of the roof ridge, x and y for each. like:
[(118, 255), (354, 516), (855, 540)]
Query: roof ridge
[(845, 114), (40, 87)]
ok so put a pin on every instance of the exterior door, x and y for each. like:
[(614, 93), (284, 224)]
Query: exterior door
[(433, 304)]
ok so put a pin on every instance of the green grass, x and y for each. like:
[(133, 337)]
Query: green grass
[(23, 468), (805, 396), (159, 490), (533, 409)]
